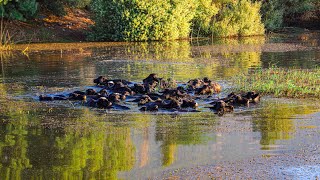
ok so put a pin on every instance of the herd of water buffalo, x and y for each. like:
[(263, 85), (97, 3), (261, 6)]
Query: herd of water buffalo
[(155, 93)]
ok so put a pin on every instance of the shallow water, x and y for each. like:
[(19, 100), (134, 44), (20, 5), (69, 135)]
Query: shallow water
[(64, 140)]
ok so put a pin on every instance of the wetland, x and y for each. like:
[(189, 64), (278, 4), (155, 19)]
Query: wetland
[(65, 140)]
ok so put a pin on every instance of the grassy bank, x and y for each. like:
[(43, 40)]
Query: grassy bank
[(296, 83)]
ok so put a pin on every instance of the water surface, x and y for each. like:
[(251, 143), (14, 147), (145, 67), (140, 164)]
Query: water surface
[(67, 141)]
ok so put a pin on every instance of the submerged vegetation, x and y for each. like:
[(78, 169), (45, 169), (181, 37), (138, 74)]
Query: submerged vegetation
[(297, 83)]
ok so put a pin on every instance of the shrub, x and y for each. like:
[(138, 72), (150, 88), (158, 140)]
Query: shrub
[(274, 12), (20, 10), (203, 20), (240, 18), (226, 18), (142, 20)]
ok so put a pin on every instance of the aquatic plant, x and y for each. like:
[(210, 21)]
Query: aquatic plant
[(280, 82)]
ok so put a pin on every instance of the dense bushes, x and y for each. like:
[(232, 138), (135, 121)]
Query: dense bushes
[(20, 10), (171, 19), (275, 12), (203, 20), (27, 9), (240, 18), (228, 18), (142, 20)]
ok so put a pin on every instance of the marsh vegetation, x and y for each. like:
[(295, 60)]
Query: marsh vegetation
[(280, 82)]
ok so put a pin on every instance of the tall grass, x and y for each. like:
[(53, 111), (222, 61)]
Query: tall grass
[(280, 82), (5, 38)]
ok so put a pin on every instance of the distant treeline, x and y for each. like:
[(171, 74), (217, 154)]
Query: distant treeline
[(143, 20)]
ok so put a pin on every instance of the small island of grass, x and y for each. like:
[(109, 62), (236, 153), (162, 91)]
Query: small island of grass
[(294, 83)]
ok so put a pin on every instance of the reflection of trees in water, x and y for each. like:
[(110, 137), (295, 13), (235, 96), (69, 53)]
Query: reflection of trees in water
[(180, 60), (33, 152), (165, 51), (222, 66), (13, 143), (176, 59), (47, 69), (88, 147), (239, 63), (275, 122), (178, 130), (97, 154), (295, 59)]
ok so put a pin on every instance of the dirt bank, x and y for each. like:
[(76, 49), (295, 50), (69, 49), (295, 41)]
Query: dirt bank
[(49, 28)]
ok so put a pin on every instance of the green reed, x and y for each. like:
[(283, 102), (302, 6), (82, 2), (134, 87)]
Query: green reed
[(280, 82)]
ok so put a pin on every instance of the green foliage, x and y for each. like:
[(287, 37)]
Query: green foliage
[(78, 3), (227, 18), (272, 14), (4, 2), (56, 7), (293, 7), (203, 20), (142, 20), (275, 12), (20, 10), (240, 18)]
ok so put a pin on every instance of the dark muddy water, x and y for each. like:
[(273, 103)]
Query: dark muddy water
[(63, 140)]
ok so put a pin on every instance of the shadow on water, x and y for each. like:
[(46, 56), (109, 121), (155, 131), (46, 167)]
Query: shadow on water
[(52, 141)]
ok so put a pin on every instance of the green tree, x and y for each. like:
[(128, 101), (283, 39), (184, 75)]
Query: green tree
[(142, 20), (276, 12), (226, 18), (240, 18), (20, 10), (203, 20)]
